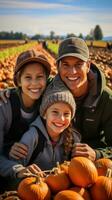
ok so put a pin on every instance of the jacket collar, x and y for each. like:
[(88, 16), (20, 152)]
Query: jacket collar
[(97, 83)]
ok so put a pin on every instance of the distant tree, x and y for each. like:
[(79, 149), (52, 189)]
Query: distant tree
[(52, 35), (37, 37), (12, 36), (80, 35), (70, 35), (98, 35), (88, 37)]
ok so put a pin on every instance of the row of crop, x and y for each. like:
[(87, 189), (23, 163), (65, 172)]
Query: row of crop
[(12, 51)]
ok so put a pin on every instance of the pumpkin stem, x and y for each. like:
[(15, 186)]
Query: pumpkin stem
[(37, 176), (109, 172), (58, 166)]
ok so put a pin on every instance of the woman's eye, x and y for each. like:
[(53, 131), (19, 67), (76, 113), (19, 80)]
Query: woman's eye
[(40, 77), (28, 77), (65, 65)]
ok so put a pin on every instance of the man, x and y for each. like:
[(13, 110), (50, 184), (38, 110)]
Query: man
[(93, 98)]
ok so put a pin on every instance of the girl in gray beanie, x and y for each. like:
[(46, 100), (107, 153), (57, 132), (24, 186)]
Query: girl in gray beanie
[(50, 138)]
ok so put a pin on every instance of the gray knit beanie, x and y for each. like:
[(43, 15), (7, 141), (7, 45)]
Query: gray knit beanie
[(57, 92)]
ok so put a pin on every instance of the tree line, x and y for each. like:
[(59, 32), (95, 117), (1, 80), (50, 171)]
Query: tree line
[(95, 34)]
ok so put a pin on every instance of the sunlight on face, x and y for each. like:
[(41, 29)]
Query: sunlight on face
[(32, 82), (73, 72), (58, 118)]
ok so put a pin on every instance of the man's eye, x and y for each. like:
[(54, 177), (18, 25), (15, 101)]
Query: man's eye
[(67, 114), (54, 111)]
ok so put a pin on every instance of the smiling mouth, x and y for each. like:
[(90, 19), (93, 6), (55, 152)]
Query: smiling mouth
[(73, 78), (58, 125), (35, 90)]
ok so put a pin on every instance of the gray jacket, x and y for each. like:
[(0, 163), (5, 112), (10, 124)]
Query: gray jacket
[(46, 159), (5, 123)]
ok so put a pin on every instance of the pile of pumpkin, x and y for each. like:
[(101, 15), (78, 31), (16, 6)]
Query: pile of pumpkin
[(79, 179)]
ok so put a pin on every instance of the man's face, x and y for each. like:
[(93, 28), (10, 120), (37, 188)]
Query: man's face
[(73, 72)]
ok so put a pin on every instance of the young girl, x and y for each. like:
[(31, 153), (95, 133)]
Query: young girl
[(56, 112), (30, 76)]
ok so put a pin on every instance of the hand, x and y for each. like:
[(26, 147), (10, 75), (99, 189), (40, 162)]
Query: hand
[(81, 149), (4, 94), (18, 151), (31, 170)]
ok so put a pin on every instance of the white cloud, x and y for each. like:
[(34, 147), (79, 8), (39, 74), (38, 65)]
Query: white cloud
[(61, 24), (72, 22), (18, 4), (32, 5)]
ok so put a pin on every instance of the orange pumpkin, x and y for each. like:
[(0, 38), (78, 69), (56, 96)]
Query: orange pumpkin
[(82, 191), (102, 189), (64, 166), (33, 188), (82, 172), (102, 165), (68, 195), (58, 181)]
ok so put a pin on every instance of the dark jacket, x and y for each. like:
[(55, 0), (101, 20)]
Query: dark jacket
[(94, 115)]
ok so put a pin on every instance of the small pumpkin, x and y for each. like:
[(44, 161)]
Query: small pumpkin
[(102, 189), (68, 195), (64, 166), (102, 165), (82, 191), (33, 188), (82, 172), (58, 181)]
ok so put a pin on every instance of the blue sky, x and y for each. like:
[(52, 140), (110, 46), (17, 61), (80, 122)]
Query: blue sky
[(62, 16)]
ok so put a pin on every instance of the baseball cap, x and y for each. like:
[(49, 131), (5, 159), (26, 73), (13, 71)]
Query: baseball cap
[(75, 47)]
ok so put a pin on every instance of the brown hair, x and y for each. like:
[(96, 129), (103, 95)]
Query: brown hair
[(68, 140)]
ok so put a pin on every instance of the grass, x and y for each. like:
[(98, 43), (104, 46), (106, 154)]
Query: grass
[(14, 50)]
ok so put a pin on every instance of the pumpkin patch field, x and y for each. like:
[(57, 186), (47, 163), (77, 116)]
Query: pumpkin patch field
[(78, 179), (101, 56)]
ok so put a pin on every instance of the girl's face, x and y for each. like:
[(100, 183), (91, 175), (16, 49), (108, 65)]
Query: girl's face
[(58, 118), (32, 82)]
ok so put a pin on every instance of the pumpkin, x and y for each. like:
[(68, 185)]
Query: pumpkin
[(68, 195), (58, 181), (82, 191), (64, 166), (102, 189), (102, 165), (33, 188), (82, 172)]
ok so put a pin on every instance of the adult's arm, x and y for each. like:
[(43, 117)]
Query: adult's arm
[(5, 94), (5, 121)]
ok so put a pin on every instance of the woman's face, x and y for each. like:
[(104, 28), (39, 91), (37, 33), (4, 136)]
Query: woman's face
[(32, 82), (58, 118)]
